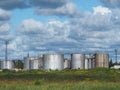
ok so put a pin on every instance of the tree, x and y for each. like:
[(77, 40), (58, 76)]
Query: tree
[(111, 63), (18, 64)]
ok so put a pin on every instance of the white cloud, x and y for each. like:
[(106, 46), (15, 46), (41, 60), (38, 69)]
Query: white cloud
[(101, 10), (69, 9), (4, 28), (4, 15), (30, 26), (111, 3), (89, 32)]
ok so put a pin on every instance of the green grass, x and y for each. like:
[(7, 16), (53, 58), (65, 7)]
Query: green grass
[(64, 86), (95, 79)]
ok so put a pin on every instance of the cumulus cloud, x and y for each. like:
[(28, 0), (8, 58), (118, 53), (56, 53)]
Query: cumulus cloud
[(43, 37), (48, 3), (30, 27), (43, 7), (91, 32), (68, 9), (4, 28), (111, 3), (97, 31), (4, 15), (74, 35), (13, 4), (101, 10)]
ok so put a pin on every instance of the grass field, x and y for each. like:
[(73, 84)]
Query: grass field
[(95, 79)]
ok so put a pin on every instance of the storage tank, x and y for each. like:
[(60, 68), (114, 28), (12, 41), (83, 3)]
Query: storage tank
[(77, 61), (53, 61), (27, 63), (89, 61), (86, 63), (40, 63), (34, 64), (102, 60), (93, 63), (7, 64), (66, 64)]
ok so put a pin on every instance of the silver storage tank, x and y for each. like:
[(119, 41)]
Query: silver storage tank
[(89, 62), (26, 63), (66, 64), (40, 63), (34, 64), (102, 60), (93, 63), (53, 61), (77, 61), (7, 64), (86, 63)]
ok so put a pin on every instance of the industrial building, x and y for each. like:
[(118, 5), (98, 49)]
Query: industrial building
[(89, 61), (7, 64), (33, 63), (58, 62), (67, 64)]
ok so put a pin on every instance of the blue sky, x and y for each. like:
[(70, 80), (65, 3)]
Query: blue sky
[(59, 26), (86, 5)]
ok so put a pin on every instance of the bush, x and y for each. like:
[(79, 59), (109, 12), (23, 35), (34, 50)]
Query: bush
[(8, 71), (39, 82)]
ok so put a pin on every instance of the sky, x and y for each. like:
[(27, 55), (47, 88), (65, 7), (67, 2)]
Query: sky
[(59, 26)]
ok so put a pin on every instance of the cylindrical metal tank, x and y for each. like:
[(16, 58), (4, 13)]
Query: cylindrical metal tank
[(89, 62), (66, 64), (77, 61), (102, 60), (40, 63), (93, 63), (86, 64), (7, 64), (34, 64), (53, 61), (27, 63)]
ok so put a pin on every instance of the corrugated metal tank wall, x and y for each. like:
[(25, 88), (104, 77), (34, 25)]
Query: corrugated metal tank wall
[(7, 64), (77, 61), (34, 64), (102, 60), (53, 61), (66, 64), (40, 63), (26, 63), (89, 62), (86, 64)]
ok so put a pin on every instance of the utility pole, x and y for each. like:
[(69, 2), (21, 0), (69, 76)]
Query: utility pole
[(116, 56), (28, 55), (6, 52)]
